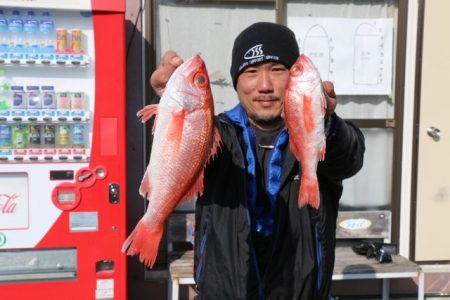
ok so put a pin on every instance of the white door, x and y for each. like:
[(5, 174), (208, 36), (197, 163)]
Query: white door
[(433, 174)]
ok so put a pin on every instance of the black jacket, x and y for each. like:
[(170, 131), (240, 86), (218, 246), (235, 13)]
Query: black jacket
[(302, 262)]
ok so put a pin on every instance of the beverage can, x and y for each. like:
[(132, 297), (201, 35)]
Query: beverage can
[(34, 97), (76, 36), (18, 97), (49, 136), (48, 97), (62, 100), (77, 101), (19, 136), (34, 136), (78, 136), (61, 40), (63, 135), (5, 136)]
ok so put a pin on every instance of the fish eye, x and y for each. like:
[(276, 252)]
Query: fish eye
[(296, 69), (200, 79)]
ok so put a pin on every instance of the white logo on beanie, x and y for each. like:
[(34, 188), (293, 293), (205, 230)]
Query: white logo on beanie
[(254, 52)]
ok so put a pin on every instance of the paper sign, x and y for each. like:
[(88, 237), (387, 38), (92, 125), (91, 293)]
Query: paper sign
[(355, 54)]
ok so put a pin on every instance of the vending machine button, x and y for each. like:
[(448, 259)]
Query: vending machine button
[(17, 119), (63, 157), (83, 177), (19, 158), (48, 158), (3, 158), (104, 268), (32, 119), (100, 172), (114, 193), (34, 158), (62, 119)]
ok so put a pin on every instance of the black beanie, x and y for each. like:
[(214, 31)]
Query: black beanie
[(263, 42)]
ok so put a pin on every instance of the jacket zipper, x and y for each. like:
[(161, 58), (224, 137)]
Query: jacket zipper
[(319, 257), (255, 263), (202, 253)]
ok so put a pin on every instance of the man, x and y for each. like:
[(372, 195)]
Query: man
[(251, 239)]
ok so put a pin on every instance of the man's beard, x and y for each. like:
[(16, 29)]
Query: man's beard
[(266, 121)]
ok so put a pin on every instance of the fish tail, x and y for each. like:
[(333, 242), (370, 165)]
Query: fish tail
[(309, 193), (145, 242)]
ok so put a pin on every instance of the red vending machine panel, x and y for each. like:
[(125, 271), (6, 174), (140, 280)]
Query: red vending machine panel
[(62, 149)]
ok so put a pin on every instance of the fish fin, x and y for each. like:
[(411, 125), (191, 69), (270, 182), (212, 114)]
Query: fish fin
[(147, 112), (294, 149), (195, 190), (216, 145), (308, 113), (324, 101), (322, 152), (175, 129), (145, 242), (144, 189), (309, 192)]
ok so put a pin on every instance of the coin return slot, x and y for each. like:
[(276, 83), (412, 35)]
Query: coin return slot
[(66, 197)]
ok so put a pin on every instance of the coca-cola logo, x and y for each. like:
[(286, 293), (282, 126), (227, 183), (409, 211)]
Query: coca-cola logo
[(8, 203)]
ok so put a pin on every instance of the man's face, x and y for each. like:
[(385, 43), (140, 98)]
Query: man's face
[(261, 91)]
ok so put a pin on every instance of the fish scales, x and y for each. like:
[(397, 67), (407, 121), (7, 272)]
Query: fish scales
[(304, 110)]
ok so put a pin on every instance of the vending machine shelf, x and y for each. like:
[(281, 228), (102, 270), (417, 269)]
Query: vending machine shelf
[(70, 155), (45, 116), (65, 60)]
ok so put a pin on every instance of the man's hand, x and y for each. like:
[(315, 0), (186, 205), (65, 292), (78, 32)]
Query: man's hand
[(328, 88), (169, 62)]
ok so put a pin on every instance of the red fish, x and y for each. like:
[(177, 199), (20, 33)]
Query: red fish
[(304, 112), (184, 139)]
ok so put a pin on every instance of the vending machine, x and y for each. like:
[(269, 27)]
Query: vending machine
[(62, 149)]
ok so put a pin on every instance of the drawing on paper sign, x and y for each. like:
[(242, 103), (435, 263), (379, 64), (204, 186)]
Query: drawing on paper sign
[(368, 55), (317, 45)]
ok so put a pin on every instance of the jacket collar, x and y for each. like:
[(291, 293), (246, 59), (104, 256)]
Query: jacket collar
[(261, 219)]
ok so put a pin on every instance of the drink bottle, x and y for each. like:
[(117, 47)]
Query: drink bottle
[(47, 37), (15, 28), (5, 93), (31, 36), (4, 37)]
